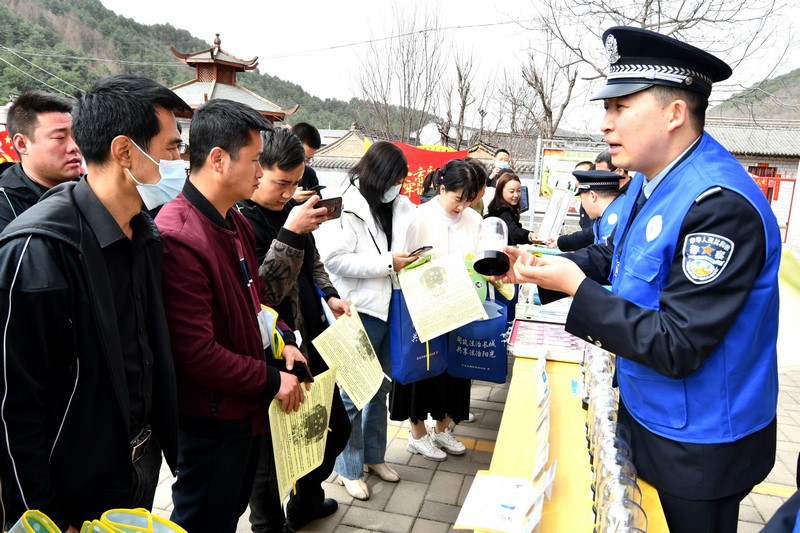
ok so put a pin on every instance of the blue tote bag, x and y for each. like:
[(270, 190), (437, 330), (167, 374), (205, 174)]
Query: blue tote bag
[(478, 350), (412, 360)]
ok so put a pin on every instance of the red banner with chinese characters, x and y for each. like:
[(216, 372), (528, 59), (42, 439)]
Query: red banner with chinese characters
[(420, 163), (7, 152)]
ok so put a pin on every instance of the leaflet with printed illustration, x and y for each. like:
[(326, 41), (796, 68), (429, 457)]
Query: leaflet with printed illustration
[(298, 438), (346, 346), (440, 296)]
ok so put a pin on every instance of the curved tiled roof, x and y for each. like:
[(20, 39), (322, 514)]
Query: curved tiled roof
[(196, 93), (762, 138)]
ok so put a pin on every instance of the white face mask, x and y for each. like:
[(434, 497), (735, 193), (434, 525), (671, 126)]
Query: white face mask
[(391, 193), (173, 177)]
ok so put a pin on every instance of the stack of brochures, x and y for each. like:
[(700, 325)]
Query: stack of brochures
[(535, 339)]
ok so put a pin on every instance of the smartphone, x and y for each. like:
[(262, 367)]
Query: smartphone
[(316, 188), (421, 250), (303, 373), (334, 206)]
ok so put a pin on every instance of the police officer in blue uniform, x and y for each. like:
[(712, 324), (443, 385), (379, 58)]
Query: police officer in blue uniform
[(693, 311), (600, 198)]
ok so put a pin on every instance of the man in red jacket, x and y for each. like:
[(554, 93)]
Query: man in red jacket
[(213, 299)]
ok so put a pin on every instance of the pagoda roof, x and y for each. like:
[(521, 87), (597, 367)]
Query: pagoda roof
[(215, 54)]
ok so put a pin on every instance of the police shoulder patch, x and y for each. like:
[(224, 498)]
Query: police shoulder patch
[(705, 256)]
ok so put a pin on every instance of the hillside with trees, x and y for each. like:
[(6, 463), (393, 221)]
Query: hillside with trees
[(774, 99), (64, 46)]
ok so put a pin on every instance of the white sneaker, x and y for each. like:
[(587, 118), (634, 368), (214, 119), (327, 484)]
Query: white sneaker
[(447, 442), (426, 447)]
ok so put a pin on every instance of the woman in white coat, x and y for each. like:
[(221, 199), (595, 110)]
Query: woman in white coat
[(356, 250)]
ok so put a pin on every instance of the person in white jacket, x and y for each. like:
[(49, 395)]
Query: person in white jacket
[(356, 251)]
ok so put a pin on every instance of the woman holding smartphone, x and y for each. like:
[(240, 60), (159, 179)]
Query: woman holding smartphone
[(356, 250), (449, 226)]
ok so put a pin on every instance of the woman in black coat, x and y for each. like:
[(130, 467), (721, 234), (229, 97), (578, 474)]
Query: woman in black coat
[(506, 206)]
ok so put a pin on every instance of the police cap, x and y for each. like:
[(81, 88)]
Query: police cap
[(639, 59), (596, 180)]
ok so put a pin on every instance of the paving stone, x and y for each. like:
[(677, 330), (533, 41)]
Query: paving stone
[(445, 487), (748, 513), (439, 511), (373, 520), (781, 475), (482, 458), (491, 419), (475, 432), (460, 465), (766, 505), (414, 473), (429, 526), (792, 432), (329, 525), (380, 492), (420, 462), (337, 492), (479, 392), (407, 498), (486, 405), (498, 394), (462, 495), (396, 452), (749, 527)]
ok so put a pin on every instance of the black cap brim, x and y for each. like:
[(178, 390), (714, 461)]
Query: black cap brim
[(615, 90)]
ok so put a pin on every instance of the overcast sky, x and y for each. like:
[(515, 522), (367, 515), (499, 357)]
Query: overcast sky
[(302, 42)]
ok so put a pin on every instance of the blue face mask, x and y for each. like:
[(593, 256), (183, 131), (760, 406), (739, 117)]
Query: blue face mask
[(391, 193), (502, 164), (173, 176)]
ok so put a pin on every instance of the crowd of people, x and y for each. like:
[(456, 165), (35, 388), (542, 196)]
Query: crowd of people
[(133, 298)]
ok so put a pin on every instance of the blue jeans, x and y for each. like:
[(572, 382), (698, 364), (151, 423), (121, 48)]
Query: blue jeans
[(367, 444)]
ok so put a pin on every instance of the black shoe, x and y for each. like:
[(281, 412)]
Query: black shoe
[(328, 507)]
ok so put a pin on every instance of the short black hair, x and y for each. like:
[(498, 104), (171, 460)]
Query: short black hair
[(502, 151), (308, 134), (696, 103), (458, 175), (480, 171), (605, 157), (120, 105), (283, 149), (225, 124), (22, 115), (591, 165)]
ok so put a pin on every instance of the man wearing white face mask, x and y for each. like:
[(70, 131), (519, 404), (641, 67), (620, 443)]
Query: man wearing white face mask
[(88, 379)]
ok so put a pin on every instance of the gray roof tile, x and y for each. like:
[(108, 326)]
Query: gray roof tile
[(747, 138)]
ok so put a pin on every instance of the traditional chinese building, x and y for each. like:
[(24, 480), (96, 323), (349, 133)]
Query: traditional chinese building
[(215, 77)]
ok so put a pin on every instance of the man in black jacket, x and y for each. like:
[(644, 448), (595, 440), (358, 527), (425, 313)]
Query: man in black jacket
[(40, 126), (88, 380)]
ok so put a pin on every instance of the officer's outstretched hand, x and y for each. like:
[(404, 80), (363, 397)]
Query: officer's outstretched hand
[(548, 271)]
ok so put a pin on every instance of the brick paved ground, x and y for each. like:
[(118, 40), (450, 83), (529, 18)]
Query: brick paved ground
[(428, 497)]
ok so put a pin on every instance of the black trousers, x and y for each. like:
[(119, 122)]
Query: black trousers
[(702, 516), (266, 512), (215, 476)]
